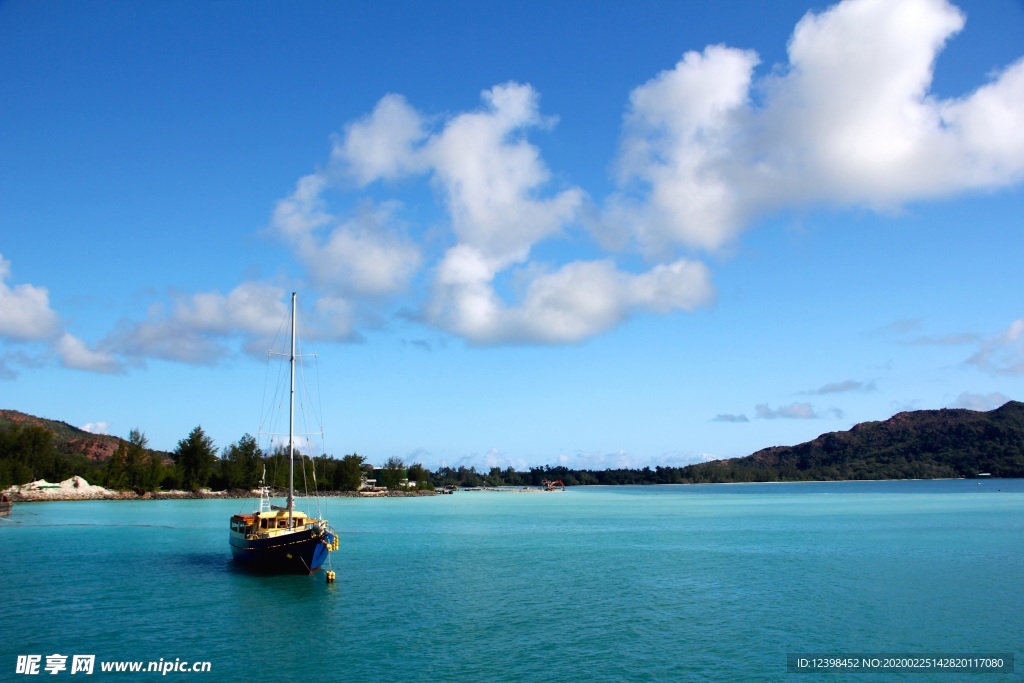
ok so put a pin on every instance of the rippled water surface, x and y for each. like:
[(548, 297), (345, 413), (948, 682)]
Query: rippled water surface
[(594, 584)]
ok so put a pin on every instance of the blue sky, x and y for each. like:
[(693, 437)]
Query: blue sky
[(585, 233)]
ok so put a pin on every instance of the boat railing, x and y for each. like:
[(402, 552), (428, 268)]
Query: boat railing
[(265, 499)]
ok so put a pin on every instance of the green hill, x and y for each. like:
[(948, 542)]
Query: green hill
[(38, 448), (67, 438), (923, 444)]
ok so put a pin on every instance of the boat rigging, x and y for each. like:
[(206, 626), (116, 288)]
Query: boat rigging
[(281, 539)]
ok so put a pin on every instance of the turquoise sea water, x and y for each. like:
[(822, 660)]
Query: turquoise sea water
[(667, 583)]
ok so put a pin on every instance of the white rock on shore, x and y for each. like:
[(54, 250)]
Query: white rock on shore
[(74, 488)]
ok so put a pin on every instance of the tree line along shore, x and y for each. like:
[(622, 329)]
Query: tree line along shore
[(926, 444)]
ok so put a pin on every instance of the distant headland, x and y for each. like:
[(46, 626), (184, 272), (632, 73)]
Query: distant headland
[(923, 444)]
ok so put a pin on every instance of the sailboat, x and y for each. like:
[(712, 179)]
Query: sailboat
[(280, 539)]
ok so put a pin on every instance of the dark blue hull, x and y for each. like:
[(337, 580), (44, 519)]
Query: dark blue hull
[(302, 552)]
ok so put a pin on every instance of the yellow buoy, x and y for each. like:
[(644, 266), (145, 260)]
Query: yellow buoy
[(330, 577)]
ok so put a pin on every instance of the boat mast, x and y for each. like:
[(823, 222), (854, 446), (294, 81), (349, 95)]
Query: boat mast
[(291, 425)]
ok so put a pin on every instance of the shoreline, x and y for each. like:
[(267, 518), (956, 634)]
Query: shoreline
[(60, 497), (76, 488)]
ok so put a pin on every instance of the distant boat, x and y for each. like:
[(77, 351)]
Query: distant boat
[(278, 539)]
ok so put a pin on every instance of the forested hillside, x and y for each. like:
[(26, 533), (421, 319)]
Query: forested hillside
[(923, 444)]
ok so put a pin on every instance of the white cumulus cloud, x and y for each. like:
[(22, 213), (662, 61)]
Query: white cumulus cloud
[(850, 120), (490, 176), (26, 316), (707, 148), (96, 427), (679, 144), (75, 354), (197, 327), (363, 255), (385, 144), (25, 313), (577, 301), (251, 307), (495, 187)]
